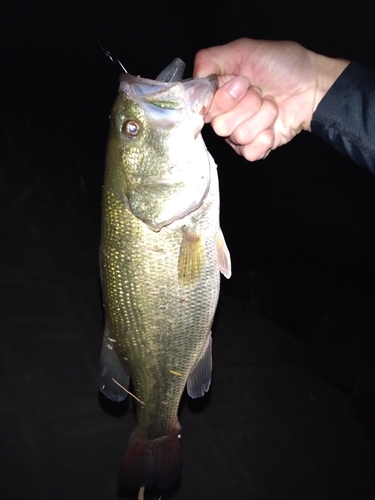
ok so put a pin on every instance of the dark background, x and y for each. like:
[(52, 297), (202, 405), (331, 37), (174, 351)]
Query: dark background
[(300, 225)]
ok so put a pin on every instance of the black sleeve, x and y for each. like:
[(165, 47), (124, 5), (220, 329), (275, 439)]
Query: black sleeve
[(345, 117)]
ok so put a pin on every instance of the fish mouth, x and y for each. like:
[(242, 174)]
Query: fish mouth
[(201, 92), (194, 93)]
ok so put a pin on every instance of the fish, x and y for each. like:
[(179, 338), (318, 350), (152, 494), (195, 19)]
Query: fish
[(161, 254)]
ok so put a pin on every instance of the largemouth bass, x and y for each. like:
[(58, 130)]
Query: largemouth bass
[(161, 254)]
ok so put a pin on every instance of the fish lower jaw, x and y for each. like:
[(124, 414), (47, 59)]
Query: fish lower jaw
[(176, 222)]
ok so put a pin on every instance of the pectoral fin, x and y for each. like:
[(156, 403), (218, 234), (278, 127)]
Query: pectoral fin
[(112, 373), (191, 258), (223, 256), (199, 379)]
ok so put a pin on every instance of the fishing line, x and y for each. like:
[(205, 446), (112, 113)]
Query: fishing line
[(77, 14), (106, 52)]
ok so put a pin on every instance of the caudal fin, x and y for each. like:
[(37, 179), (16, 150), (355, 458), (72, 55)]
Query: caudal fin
[(152, 464)]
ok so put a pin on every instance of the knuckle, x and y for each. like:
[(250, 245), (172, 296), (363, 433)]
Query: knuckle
[(241, 135), (266, 138), (255, 99), (220, 126), (261, 145), (250, 154), (270, 107)]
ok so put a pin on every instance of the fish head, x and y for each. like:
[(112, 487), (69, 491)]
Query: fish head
[(156, 156)]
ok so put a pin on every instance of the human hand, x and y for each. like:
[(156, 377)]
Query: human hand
[(268, 91)]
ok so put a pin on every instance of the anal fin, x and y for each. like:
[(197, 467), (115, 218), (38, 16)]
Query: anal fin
[(199, 379), (114, 381)]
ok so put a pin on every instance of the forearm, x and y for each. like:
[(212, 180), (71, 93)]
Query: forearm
[(345, 116)]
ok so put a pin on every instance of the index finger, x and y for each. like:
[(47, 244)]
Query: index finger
[(230, 92)]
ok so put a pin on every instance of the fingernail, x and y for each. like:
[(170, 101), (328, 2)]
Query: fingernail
[(238, 87), (267, 153)]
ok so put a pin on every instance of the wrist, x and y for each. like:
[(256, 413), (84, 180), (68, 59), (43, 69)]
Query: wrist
[(327, 72)]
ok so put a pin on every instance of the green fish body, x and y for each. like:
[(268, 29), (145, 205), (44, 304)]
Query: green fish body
[(161, 254)]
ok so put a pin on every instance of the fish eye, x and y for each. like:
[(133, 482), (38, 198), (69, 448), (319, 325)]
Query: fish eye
[(131, 128)]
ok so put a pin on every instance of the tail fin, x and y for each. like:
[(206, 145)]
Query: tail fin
[(152, 464)]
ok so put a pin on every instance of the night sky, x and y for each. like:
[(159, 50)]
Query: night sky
[(300, 225)]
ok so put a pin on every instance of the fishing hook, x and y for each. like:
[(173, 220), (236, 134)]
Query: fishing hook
[(108, 54)]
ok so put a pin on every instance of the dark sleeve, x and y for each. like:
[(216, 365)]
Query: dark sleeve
[(345, 117)]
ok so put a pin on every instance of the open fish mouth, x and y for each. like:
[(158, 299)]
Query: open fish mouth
[(197, 94)]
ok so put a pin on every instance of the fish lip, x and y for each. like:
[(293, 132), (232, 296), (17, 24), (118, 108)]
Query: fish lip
[(128, 78)]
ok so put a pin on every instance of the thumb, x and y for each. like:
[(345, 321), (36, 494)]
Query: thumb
[(208, 62)]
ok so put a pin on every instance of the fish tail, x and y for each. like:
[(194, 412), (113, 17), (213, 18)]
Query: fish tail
[(151, 463)]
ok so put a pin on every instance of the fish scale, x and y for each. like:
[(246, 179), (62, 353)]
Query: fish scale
[(189, 306)]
